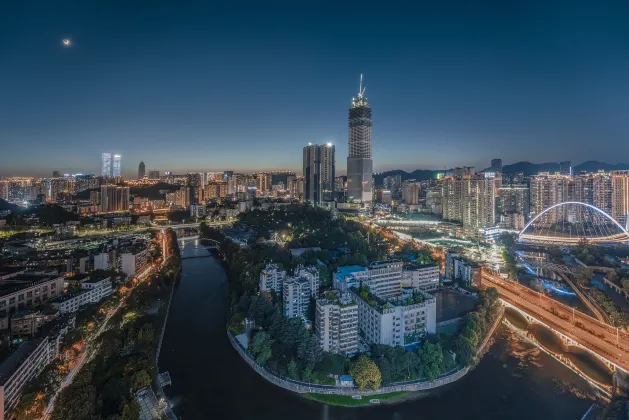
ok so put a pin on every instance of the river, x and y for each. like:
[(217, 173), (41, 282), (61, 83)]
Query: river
[(513, 381)]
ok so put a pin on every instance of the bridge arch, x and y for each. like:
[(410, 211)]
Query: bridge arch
[(614, 233)]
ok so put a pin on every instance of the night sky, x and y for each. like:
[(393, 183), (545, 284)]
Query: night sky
[(244, 87)]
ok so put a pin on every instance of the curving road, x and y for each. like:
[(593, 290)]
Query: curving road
[(606, 341)]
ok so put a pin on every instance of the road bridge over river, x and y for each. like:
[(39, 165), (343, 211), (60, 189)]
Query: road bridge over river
[(607, 343)]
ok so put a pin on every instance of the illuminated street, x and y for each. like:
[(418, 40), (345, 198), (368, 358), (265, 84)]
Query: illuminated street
[(596, 336)]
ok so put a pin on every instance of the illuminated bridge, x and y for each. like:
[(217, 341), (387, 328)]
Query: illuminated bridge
[(572, 221), (608, 344)]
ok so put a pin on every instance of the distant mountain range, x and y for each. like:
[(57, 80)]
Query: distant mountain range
[(527, 168)]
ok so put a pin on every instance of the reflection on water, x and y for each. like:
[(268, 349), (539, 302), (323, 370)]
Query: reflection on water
[(555, 289), (582, 359), (513, 381)]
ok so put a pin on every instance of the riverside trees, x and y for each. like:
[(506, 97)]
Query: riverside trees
[(365, 373)]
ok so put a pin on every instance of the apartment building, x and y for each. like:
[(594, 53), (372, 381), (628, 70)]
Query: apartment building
[(421, 276), (26, 362), (336, 323), (72, 301), (470, 199), (29, 323), (134, 261), (382, 277), (620, 196), (298, 289), (397, 321), (458, 268), (100, 287), (23, 291), (272, 278)]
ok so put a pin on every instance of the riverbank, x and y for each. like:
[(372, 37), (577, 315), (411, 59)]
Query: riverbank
[(343, 394), (346, 401)]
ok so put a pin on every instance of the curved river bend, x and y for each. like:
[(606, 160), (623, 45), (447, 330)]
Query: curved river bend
[(210, 380)]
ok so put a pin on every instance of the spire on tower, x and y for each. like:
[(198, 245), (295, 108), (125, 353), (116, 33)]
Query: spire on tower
[(361, 91)]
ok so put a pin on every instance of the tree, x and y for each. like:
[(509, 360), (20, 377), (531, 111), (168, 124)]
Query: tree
[(431, 358), (583, 276), (75, 402), (31, 406), (365, 373), (141, 379), (146, 333), (507, 239), (308, 351), (625, 284), (293, 371), (385, 370), (612, 276), (464, 348), (131, 410), (261, 347), (306, 374)]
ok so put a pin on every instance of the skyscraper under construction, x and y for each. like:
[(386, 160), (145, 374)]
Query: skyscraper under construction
[(359, 162)]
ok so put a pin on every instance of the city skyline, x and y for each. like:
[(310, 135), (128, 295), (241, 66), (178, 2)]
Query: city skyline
[(551, 84)]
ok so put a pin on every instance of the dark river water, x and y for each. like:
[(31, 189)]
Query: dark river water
[(513, 381)]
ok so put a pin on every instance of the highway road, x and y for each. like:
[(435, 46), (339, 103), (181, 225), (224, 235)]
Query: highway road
[(605, 340)]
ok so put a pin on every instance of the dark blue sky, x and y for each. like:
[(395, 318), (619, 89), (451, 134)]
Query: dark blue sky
[(197, 87)]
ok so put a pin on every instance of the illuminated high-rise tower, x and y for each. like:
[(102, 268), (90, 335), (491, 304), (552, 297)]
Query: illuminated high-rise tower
[(359, 162), (105, 164), (318, 172), (117, 166)]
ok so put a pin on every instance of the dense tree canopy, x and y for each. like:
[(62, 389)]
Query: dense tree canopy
[(365, 373)]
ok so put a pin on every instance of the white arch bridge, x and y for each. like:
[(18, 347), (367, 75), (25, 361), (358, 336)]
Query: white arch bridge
[(571, 222)]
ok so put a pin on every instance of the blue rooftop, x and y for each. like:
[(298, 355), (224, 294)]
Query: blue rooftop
[(341, 272)]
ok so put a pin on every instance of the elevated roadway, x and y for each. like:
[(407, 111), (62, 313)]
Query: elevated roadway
[(604, 341)]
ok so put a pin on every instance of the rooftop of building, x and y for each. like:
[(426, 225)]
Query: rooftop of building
[(45, 311), (296, 279), (20, 282), (347, 270), (308, 269), (95, 279), (57, 324), (15, 359), (415, 297), (10, 270), (338, 298), (412, 267), (271, 266), (77, 277), (383, 263), (69, 295)]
